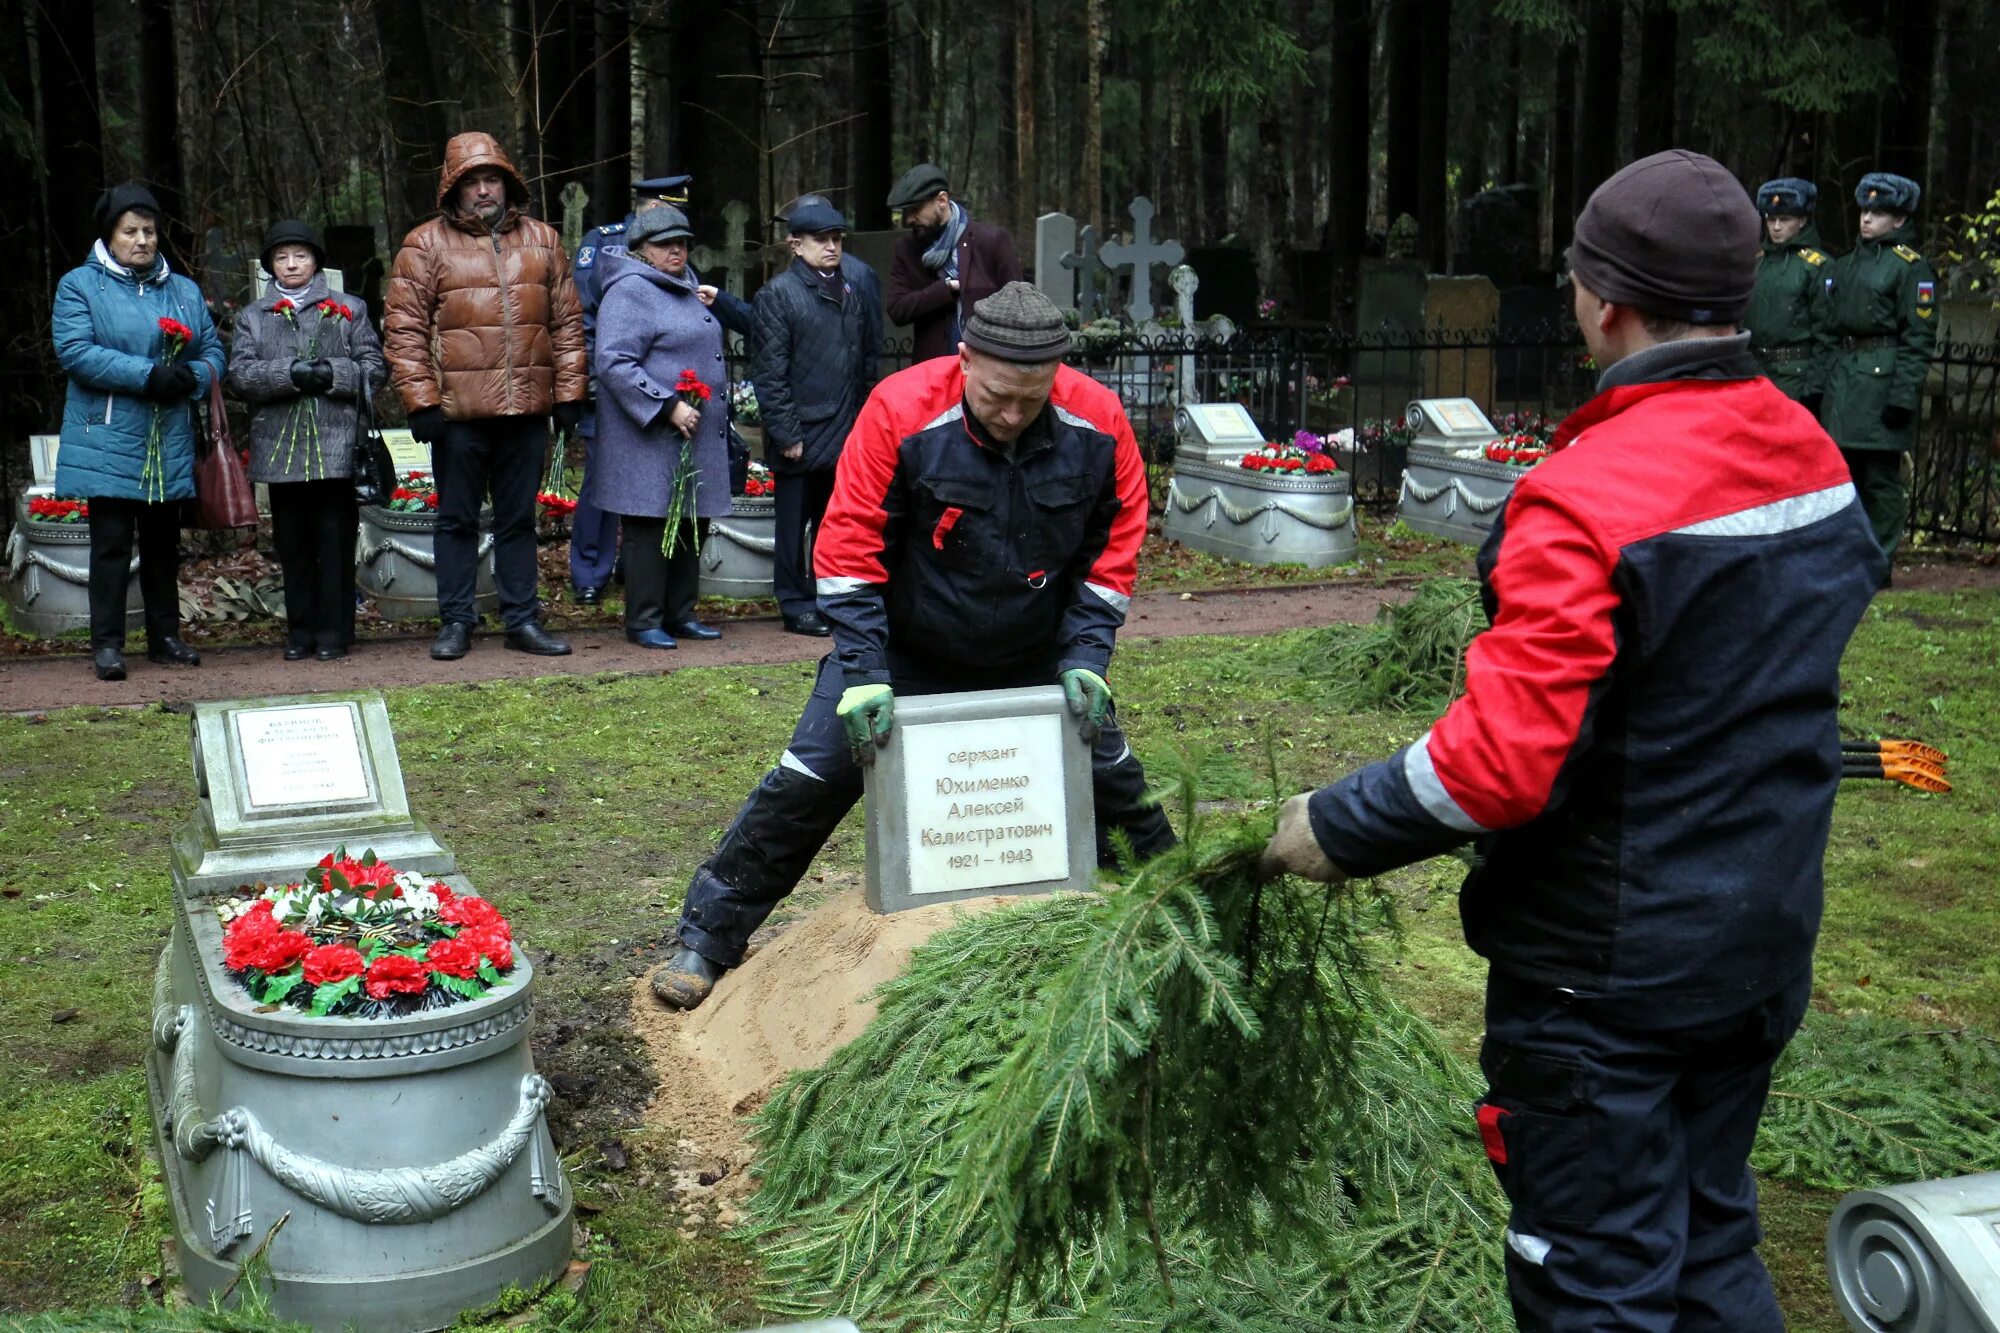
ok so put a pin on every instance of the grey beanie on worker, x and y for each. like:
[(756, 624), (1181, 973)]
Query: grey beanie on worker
[(1018, 323), (1674, 235)]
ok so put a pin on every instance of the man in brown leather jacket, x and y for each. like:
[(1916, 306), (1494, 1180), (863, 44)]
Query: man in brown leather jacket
[(484, 337)]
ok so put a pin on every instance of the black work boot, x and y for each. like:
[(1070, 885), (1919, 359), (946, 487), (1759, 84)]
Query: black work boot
[(454, 641), (109, 663), (685, 980)]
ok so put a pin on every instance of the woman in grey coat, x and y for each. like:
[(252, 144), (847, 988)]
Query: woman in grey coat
[(305, 359), (651, 329)]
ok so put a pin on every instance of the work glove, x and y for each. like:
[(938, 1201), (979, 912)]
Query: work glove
[(1089, 700), (568, 414), (1293, 850), (1895, 418), (427, 425), (166, 383), (312, 376), (867, 713)]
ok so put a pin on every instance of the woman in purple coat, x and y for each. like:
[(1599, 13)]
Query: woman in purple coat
[(652, 330)]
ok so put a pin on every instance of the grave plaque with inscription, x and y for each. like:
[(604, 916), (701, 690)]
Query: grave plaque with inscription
[(978, 793)]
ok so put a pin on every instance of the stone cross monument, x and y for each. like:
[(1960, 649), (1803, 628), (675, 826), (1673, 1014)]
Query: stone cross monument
[(575, 199), (1142, 254), (1086, 265), (733, 259)]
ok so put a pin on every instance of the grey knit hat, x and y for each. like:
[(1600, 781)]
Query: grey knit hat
[(1018, 323), (1674, 235), (658, 222)]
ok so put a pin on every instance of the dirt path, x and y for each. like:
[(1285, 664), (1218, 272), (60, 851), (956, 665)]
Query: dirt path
[(35, 684)]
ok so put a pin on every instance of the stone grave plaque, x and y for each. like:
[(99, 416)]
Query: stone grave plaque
[(1449, 423), (42, 457), (979, 793), (281, 780), (406, 452), (1215, 432)]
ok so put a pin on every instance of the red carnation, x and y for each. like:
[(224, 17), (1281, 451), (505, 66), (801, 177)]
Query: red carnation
[(173, 328), (333, 962), (494, 945), (471, 912), (455, 958), (443, 892), (396, 974)]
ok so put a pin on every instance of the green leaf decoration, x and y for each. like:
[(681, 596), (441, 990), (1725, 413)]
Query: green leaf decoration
[(467, 988), (368, 858), (490, 974), (373, 947), (332, 993), (278, 986), (338, 882)]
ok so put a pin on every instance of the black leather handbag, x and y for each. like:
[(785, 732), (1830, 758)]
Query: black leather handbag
[(374, 470)]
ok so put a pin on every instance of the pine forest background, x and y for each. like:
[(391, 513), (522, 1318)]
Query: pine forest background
[(1295, 129)]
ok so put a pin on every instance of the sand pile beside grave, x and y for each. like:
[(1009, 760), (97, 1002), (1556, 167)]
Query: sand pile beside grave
[(793, 1003)]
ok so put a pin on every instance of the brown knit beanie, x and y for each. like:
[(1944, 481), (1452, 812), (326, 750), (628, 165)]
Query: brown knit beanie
[(1674, 235), (1018, 323)]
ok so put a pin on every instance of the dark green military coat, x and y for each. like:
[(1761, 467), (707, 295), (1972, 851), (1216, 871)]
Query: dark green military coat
[(1884, 315), (1789, 321)]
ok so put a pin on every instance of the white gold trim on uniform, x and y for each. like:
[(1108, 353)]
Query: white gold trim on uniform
[(1768, 520), (1421, 774)]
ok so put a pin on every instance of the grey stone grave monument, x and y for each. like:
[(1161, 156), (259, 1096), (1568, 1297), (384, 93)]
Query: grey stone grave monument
[(734, 259), (1215, 504), (395, 556), (45, 568), (1449, 489), (407, 1155), (737, 557), (1055, 241), (1142, 254), (979, 793), (1918, 1258), (1088, 266)]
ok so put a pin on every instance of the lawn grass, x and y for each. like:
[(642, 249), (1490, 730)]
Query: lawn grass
[(582, 804)]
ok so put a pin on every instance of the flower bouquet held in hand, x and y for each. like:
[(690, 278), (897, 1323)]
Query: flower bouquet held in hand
[(360, 937), (302, 423), (690, 390), (46, 509), (174, 339)]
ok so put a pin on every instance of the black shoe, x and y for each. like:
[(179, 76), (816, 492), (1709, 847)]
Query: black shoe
[(650, 638), (588, 596), (297, 652), (808, 623), (110, 663), (685, 980), (170, 651), (532, 638), (330, 654), (694, 629), (454, 641)]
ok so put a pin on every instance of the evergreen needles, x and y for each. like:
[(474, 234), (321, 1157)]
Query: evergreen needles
[(1412, 658)]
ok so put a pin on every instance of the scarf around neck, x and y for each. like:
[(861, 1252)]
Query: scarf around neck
[(942, 257), (155, 274)]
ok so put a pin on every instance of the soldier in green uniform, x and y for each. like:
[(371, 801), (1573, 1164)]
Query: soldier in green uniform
[(1884, 310), (1788, 321)]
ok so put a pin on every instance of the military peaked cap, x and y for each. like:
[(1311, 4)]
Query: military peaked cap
[(673, 189)]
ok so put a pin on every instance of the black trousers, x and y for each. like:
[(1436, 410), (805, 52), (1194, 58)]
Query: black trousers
[(1624, 1154), (660, 589), (503, 457), (801, 500), (312, 528), (115, 525)]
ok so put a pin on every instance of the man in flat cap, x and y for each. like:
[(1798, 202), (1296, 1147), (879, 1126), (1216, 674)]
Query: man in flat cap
[(1884, 316), (1788, 316), (593, 534), (946, 263), (817, 334), (1646, 754), (984, 534)]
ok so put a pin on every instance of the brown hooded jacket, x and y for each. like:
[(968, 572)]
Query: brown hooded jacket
[(483, 320)]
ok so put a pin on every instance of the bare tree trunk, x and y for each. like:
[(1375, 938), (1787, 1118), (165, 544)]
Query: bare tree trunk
[(159, 125), (72, 138), (1094, 39), (1353, 42), (1027, 165), (611, 171), (717, 81), (1433, 198), (1597, 109), (872, 138), (1212, 150), (1659, 41), (416, 119), (1561, 178), (1906, 131), (1406, 97), (1510, 112)]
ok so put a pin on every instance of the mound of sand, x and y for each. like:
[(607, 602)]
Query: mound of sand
[(792, 1004)]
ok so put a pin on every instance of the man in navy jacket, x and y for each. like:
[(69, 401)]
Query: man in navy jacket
[(1646, 752)]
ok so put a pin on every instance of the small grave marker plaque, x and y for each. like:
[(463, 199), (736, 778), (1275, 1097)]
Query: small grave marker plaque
[(407, 452), (977, 793), (310, 755)]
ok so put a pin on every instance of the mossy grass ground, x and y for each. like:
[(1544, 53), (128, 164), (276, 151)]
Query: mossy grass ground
[(581, 805)]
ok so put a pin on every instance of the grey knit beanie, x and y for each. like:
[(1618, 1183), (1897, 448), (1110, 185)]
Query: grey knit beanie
[(1674, 235), (1018, 323)]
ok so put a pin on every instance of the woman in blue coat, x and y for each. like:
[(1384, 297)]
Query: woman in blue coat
[(128, 420)]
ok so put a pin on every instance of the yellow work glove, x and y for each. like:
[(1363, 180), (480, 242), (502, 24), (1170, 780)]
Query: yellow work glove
[(867, 712), (1293, 850), (1089, 698)]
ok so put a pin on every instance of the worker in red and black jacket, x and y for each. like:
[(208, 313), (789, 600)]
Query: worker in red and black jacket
[(983, 534), (1646, 751)]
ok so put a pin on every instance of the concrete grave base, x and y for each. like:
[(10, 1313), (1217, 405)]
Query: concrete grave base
[(45, 574), (395, 563), (1261, 518), (736, 559), (1448, 496)]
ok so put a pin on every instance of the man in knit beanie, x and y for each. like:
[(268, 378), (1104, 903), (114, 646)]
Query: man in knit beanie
[(983, 534), (1646, 754)]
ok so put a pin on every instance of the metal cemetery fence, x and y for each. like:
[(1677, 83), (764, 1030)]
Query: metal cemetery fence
[(1955, 481)]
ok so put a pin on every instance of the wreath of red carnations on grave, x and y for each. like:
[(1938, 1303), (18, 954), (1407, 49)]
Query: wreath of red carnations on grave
[(361, 937), (759, 482), (1288, 458), (1521, 449), (415, 493), (47, 509)]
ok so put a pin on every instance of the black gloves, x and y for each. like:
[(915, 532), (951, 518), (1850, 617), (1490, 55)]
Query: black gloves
[(166, 383), (567, 415), (427, 425), (1895, 418), (1811, 402), (312, 376)]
